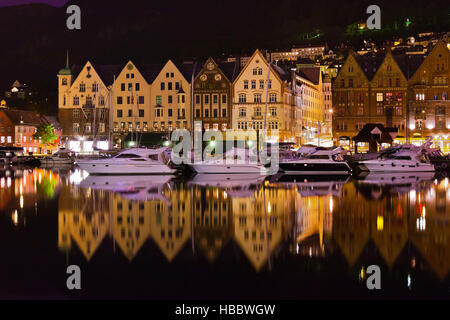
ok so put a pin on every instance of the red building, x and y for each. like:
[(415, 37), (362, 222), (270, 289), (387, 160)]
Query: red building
[(17, 128)]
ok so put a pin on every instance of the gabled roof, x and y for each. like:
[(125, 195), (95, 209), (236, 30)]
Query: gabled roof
[(369, 64), (24, 117), (105, 72), (409, 63), (365, 135), (310, 73)]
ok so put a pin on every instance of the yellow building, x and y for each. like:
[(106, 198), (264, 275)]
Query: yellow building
[(83, 108), (250, 91), (131, 100), (171, 96)]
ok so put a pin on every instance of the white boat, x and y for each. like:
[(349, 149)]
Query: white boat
[(318, 160), (131, 161), (234, 161), (402, 161), (61, 157), (139, 188)]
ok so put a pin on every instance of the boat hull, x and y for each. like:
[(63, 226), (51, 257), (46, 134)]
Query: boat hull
[(390, 166), (303, 167), (229, 168), (101, 168)]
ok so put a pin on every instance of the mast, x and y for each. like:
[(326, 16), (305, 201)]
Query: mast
[(95, 117), (111, 93)]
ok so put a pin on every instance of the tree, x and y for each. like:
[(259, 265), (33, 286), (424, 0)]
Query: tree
[(45, 133)]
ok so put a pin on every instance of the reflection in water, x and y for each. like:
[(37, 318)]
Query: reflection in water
[(389, 219)]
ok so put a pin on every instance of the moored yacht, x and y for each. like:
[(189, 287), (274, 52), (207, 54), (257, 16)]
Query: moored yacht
[(131, 161), (61, 157), (402, 161), (318, 160), (234, 161)]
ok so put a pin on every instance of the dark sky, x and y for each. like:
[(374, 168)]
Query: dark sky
[(4, 3)]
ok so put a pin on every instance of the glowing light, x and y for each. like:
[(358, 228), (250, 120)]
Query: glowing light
[(421, 224), (409, 281), (380, 223), (331, 204), (21, 201), (166, 143), (412, 126), (269, 207), (361, 273), (15, 218), (430, 126)]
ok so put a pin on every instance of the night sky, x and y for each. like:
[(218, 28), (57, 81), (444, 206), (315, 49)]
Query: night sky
[(4, 3)]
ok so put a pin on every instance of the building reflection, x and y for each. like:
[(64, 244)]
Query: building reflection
[(310, 216)]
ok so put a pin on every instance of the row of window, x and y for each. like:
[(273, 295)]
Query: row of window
[(2, 129), (170, 86), (261, 84), (436, 96), (257, 98), (257, 112), (244, 125), (181, 98), (88, 127), (141, 113), (130, 100), (206, 114), (76, 113), (207, 99), (4, 139), (89, 100)]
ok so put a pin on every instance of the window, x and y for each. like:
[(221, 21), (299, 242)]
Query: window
[(257, 111), (76, 113), (259, 71), (102, 100), (169, 85), (242, 98), (206, 113), (380, 111), (64, 81), (162, 85), (224, 99), (141, 100), (273, 112), (273, 97), (177, 84), (197, 99), (269, 84), (215, 113), (130, 113), (245, 84), (379, 96), (82, 87), (169, 99), (206, 99), (130, 87), (215, 99), (397, 82), (420, 96), (94, 87), (242, 112), (76, 101), (169, 112), (261, 84), (76, 128), (137, 86), (158, 100), (255, 71), (122, 86), (159, 112), (350, 83), (224, 113), (253, 84), (257, 98), (119, 113), (388, 96), (119, 100)]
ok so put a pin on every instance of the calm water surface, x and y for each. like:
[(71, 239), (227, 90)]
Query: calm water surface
[(212, 237)]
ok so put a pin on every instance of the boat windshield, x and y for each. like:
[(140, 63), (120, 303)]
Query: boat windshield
[(403, 158), (321, 156), (128, 156)]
